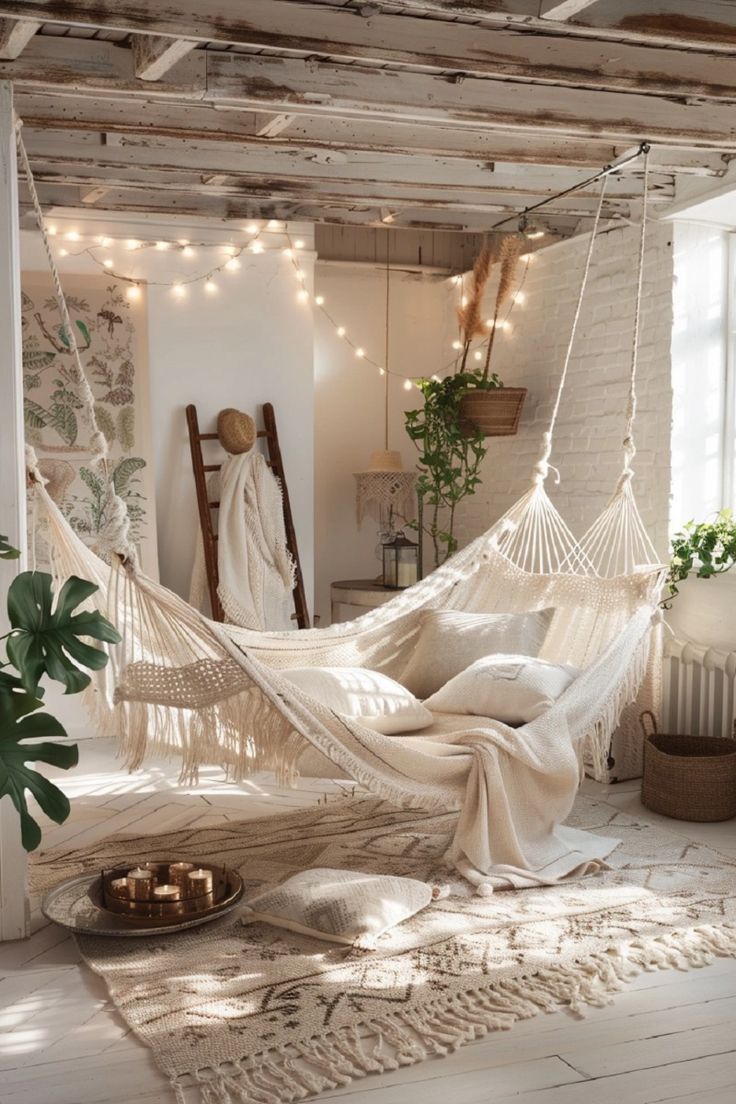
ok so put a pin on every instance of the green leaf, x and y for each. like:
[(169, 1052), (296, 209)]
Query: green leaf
[(7, 552), (17, 779), (45, 639)]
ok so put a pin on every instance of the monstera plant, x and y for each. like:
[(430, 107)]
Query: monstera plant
[(44, 640)]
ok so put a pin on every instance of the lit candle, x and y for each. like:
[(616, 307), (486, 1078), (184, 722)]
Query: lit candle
[(178, 876), (140, 884), (200, 883), (165, 893)]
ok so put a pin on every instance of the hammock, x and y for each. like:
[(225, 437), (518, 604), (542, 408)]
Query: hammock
[(179, 683)]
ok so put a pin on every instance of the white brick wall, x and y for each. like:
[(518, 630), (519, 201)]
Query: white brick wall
[(587, 447)]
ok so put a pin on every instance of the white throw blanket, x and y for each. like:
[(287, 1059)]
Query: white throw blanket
[(256, 571)]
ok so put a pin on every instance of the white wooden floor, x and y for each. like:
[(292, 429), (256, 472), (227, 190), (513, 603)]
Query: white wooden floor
[(669, 1037)]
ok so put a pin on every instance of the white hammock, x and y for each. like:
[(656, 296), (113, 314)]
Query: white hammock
[(179, 683)]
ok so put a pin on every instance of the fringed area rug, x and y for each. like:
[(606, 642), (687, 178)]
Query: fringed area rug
[(257, 1015)]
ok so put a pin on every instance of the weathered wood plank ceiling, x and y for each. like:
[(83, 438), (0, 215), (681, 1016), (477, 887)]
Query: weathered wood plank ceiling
[(430, 113)]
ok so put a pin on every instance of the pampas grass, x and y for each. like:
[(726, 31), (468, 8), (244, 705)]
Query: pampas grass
[(508, 257), (469, 315)]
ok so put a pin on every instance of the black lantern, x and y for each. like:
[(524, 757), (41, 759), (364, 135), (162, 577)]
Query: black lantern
[(400, 562)]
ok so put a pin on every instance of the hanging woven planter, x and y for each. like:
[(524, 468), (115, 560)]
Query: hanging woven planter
[(495, 413)]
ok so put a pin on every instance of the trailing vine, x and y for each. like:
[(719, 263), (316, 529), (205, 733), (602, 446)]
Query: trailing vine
[(708, 548)]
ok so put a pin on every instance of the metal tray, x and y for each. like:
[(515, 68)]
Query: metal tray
[(76, 904)]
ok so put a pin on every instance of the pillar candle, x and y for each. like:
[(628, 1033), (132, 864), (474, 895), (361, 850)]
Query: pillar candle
[(179, 876), (140, 884), (200, 883)]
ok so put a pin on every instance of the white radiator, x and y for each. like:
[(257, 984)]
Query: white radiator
[(698, 689)]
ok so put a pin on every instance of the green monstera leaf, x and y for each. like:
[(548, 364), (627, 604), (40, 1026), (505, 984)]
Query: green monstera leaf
[(16, 777), (45, 638), (7, 552)]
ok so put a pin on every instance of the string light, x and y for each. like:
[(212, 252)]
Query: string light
[(108, 262), (51, 231), (210, 287), (303, 296), (162, 246), (408, 385), (133, 292), (256, 247), (457, 344), (63, 252), (478, 354), (252, 228), (340, 331), (73, 235), (299, 244), (360, 353), (178, 291), (232, 264), (319, 300), (520, 298), (187, 251), (132, 244)]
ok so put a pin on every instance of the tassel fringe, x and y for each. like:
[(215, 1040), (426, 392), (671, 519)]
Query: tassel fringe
[(440, 1027)]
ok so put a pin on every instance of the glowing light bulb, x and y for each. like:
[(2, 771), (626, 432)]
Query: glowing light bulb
[(407, 385), (319, 300), (133, 292), (256, 247), (506, 326), (382, 371), (187, 251), (527, 258), (489, 323), (340, 331), (72, 235), (63, 252), (210, 287), (51, 231), (478, 355), (464, 301), (359, 353), (436, 378), (303, 295), (288, 252), (178, 291), (457, 279), (183, 241), (131, 243), (520, 298), (273, 224), (232, 264), (298, 244), (162, 246), (457, 344), (107, 262), (102, 240), (252, 228)]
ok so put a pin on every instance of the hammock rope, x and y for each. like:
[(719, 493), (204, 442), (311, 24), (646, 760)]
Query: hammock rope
[(114, 535)]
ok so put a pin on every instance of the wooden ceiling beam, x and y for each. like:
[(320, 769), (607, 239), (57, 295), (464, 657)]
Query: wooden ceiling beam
[(544, 56), (15, 34), (711, 24), (154, 55), (328, 140), (389, 170), (297, 86)]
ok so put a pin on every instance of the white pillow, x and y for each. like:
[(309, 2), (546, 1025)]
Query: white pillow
[(341, 906), (514, 689), (449, 641), (376, 700)]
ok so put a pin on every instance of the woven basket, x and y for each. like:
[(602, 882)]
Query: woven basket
[(495, 413), (688, 777)]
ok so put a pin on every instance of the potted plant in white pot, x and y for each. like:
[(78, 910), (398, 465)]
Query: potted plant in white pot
[(704, 550)]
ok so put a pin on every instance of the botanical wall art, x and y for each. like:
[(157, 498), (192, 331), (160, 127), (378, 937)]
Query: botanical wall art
[(111, 337)]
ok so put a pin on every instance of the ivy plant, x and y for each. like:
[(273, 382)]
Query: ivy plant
[(45, 639), (451, 451), (708, 548)]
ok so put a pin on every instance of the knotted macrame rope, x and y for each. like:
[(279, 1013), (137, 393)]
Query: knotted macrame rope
[(114, 535), (628, 443), (542, 466)]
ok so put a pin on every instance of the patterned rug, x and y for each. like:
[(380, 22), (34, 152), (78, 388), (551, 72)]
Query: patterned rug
[(253, 1014)]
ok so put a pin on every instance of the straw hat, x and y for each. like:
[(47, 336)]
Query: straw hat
[(236, 431)]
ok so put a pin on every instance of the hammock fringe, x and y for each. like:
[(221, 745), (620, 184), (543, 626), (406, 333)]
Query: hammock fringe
[(439, 1027)]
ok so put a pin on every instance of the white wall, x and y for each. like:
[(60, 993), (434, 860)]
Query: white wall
[(587, 448), (349, 398), (248, 344)]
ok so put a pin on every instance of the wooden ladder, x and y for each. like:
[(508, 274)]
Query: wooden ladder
[(205, 508)]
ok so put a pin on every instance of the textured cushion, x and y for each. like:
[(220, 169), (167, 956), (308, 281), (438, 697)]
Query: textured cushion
[(341, 906), (509, 688), (449, 641), (372, 698)]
